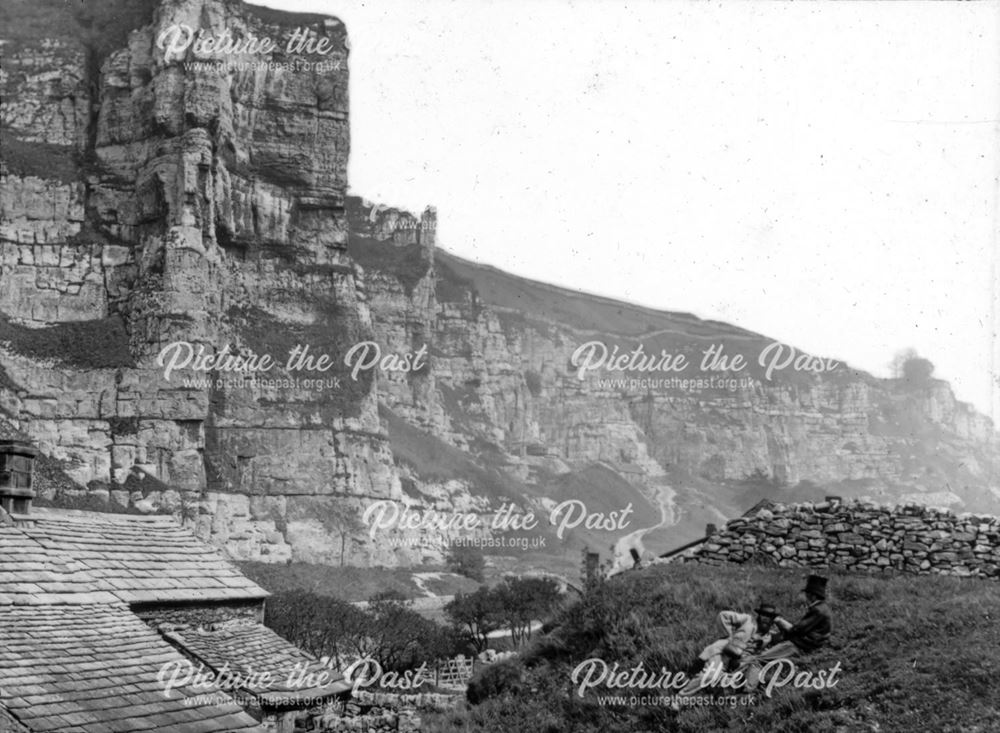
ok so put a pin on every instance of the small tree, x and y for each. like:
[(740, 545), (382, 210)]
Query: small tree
[(390, 631), (522, 601), (912, 368), (320, 625), (343, 521), (476, 615), (467, 560), (533, 380), (399, 638), (918, 370)]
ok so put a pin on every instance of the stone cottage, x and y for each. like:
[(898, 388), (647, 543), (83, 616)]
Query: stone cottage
[(98, 612)]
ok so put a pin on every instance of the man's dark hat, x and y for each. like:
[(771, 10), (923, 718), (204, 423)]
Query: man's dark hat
[(816, 584), (766, 609)]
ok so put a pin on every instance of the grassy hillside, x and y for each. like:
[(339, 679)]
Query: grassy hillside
[(568, 307), (350, 583), (603, 491), (916, 654), (432, 459)]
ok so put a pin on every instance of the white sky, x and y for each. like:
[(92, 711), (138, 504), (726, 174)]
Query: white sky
[(826, 174)]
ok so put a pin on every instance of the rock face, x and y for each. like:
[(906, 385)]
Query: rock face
[(162, 204), (861, 536), (201, 200)]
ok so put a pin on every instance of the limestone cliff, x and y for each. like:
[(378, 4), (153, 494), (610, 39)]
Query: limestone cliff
[(503, 374), (151, 199), (198, 197)]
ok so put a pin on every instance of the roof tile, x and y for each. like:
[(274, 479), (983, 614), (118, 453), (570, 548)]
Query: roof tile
[(64, 668), (250, 649), (86, 557)]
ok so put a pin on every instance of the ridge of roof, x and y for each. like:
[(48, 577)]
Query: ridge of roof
[(83, 515)]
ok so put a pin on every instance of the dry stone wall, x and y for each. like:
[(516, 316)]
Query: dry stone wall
[(378, 712), (861, 536)]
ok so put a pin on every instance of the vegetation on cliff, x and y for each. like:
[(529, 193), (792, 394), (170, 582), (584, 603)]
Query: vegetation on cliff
[(98, 344)]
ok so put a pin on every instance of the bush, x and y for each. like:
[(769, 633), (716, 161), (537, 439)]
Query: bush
[(468, 561), (516, 604), (320, 625), (496, 680), (520, 602), (533, 380), (913, 369), (917, 370), (390, 632), (399, 638), (474, 615)]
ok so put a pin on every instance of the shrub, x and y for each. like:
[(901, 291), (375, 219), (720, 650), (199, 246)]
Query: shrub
[(522, 601), (467, 560), (399, 638), (533, 380), (321, 625), (474, 615), (502, 678), (390, 631)]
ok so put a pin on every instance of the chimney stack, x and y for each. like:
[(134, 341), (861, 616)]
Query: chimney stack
[(17, 468)]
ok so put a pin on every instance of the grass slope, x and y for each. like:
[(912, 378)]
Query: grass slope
[(409, 263), (434, 460), (350, 583), (572, 308), (603, 491), (917, 653)]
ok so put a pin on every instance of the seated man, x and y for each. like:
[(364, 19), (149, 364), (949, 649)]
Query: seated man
[(745, 636), (810, 633)]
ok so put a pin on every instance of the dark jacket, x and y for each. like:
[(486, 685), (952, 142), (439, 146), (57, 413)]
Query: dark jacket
[(813, 630)]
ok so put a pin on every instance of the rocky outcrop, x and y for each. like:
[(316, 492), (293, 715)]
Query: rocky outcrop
[(861, 536), (200, 199)]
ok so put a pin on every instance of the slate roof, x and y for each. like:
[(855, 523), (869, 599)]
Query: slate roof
[(250, 649), (92, 668), (8, 724), (57, 556)]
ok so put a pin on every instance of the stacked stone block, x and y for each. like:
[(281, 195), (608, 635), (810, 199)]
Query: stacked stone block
[(861, 536)]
